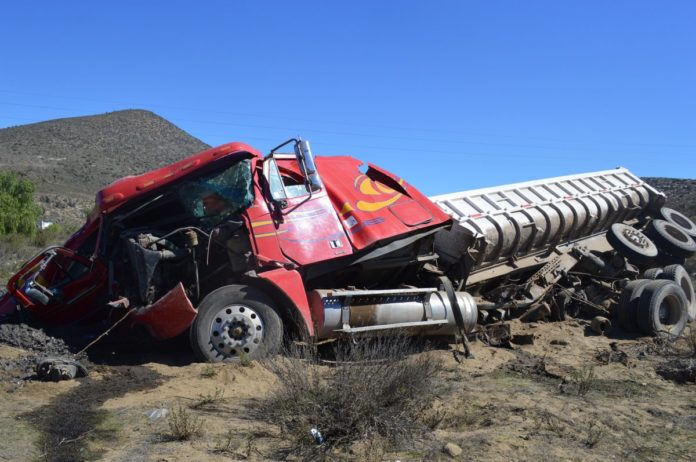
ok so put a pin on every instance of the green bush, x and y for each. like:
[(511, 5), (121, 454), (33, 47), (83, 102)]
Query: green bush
[(51, 235), (18, 212)]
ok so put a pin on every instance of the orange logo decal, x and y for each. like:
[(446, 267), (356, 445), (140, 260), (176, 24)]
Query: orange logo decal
[(373, 188)]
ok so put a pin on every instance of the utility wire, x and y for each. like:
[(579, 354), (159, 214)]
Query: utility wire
[(281, 117)]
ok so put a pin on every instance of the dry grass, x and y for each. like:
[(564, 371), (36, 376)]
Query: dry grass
[(594, 435), (183, 425), (584, 380), (214, 397), (375, 392), (209, 371)]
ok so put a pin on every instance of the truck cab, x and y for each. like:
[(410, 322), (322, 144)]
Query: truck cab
[(249, 235)]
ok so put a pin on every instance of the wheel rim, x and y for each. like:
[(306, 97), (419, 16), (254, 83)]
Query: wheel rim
[(636, 238), (236, 330), (669, 311)]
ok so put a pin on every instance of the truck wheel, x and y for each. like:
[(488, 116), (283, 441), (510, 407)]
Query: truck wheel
[(628, 304), (234, 321), (631, 243), (678, 219), (662, 309), (671, 238), (678, 274), (652, 273)]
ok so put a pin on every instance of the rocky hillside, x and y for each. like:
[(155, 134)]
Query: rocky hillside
[(83, 154), (681, 194), (70, 159)]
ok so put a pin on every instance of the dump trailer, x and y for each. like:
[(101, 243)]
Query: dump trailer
[(239, 250)]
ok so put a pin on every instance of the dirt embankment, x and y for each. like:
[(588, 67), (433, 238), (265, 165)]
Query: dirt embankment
[(569, 395)]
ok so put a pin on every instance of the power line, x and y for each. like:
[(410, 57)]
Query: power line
[(280, 117), (360, 135)]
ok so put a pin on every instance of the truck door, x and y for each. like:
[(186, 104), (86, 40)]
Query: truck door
[(59, 286), (304, 219)]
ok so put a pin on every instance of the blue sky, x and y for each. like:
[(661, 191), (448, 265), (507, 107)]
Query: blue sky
[(450, 95)]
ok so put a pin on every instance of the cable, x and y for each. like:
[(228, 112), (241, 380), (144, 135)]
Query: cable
[(280, 117)]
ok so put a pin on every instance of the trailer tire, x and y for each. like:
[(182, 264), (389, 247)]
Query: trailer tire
[(631, 243), (671, 239), (235, 321), (662, 309), (628, 304), (678, 274), (678, 219), (652, 273)]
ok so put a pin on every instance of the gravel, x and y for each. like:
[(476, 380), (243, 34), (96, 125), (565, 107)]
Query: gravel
[(37, 344)]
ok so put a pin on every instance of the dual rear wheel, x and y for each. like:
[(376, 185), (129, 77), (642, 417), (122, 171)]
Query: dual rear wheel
[(654, 307), (669, 239)]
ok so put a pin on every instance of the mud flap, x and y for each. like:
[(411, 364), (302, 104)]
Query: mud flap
[(169, 316)]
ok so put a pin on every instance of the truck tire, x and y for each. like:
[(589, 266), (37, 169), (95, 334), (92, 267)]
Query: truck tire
[(631, 243), (652, 273), (662, 309), (628, 304), (671, 239), (679, 220), (235, 321), (678, 274)]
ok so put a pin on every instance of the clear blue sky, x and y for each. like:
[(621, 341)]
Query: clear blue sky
[(450, 95)]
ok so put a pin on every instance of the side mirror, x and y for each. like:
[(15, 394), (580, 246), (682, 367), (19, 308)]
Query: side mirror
[(305, 158)]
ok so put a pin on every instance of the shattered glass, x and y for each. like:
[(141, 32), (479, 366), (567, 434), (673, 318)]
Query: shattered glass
[(216, 196)]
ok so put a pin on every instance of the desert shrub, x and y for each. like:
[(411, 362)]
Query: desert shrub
[(584, 379), (18, 212), (209, 399), (183, 425), (54, 234), (376, 390), (209, 371)]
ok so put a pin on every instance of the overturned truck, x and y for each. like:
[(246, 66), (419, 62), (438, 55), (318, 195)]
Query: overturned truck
[(238, 250)]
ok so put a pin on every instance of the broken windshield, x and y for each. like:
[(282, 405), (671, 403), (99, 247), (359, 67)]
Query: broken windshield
[(214, 197)]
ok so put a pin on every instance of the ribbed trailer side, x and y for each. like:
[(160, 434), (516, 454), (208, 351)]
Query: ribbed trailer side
[(505, 223)]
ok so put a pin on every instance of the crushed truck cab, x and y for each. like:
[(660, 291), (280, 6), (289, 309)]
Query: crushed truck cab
[(239, 249), (156, 245)]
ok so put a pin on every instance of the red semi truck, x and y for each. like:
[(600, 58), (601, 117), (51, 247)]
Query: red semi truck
[(240, 249)]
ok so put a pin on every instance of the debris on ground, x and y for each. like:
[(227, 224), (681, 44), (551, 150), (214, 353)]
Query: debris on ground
[(681, 370), (57, 369), (600, 325), (32, 339), (452, 450), (49, 358)]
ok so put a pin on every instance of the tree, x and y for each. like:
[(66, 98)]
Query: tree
[(18, 212)]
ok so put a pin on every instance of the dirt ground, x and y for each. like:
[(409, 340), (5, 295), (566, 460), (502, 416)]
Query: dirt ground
[(569, 395)]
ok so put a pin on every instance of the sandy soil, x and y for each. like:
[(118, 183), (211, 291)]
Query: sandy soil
[(571, 395)]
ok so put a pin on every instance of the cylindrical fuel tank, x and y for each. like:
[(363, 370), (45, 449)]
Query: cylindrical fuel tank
[(389, 308), (516, 220)]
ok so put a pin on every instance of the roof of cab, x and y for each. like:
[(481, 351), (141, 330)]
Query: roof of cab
[(130, 187)]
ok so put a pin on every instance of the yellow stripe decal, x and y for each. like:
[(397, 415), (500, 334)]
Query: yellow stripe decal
[(261, 223), (374, 206), (271, 234)]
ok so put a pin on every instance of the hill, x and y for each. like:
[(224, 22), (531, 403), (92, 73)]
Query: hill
[(83, 154), (70, 159), (681, 193)]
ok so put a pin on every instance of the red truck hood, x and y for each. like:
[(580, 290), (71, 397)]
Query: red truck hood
[(375, 205)]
